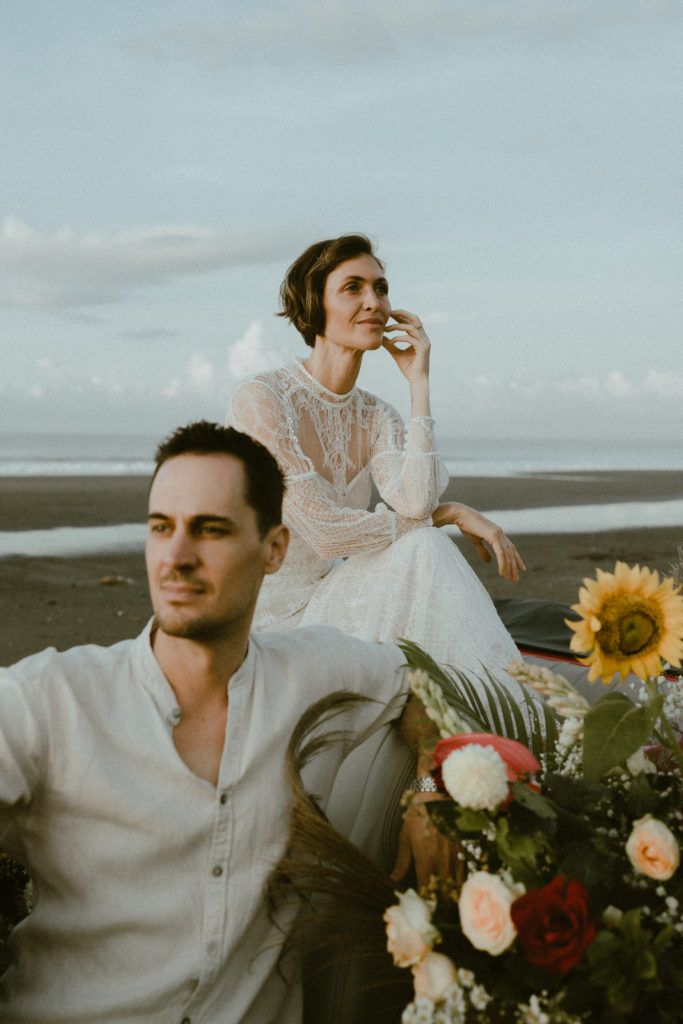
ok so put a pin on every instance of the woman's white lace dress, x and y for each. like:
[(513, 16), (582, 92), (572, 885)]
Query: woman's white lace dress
[(381, 574)]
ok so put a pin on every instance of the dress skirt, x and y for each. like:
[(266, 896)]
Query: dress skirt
[(419, 588)]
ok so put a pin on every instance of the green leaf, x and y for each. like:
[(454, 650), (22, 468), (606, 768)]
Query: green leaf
[(614, 728), (488, 706), (532, 801), (472, 821), (443, 814), (581, 860), (640, 798), (520, 851)]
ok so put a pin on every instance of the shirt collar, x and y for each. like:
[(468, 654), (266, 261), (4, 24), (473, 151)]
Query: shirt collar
[(154, 680)]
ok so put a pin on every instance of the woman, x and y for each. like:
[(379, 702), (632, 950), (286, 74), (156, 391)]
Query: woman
[(379, 574), (400, 577)]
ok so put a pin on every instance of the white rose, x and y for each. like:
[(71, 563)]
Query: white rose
[(484, 905), (410, 932), (652, 848), (639, 763), (476, 777), (433, 975)]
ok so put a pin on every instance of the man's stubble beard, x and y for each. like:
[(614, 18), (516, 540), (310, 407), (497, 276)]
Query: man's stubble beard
[(202, 628)]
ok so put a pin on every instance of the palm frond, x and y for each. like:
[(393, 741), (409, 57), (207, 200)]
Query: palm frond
[(488, 705)]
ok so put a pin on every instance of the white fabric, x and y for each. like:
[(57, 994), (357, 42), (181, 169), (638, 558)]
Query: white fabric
[(404, 578), (331, 448), (148, 880)]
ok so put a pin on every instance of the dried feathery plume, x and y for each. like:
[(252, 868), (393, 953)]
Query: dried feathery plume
[(559, 693), (429, 692)]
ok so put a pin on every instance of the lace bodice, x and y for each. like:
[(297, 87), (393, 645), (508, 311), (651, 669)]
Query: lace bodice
[(330, 446)]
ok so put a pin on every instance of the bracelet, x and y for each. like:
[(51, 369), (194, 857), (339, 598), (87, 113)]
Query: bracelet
[(424, 784)]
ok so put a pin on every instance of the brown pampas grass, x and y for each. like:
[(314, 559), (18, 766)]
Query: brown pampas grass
[(349, 976)]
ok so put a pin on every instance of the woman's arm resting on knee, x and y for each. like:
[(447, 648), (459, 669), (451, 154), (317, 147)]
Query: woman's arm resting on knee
[(481, 531)]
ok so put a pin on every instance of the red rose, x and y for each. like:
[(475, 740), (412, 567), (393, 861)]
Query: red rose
[(554, 925)]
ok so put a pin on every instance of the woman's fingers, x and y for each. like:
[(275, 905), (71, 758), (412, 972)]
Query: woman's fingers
[(409, 323), (481, 532), (481, 549), (403, 316), (510, 562)]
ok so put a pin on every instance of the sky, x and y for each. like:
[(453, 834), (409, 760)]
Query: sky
[(518, 164)]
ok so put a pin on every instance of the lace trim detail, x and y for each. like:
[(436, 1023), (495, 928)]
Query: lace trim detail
[(320, 389), (331, 451)]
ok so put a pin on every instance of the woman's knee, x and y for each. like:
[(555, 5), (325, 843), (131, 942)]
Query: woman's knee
[(426, 541)]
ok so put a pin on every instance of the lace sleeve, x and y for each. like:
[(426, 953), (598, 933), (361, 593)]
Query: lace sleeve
[(406, 467), (333, 531)]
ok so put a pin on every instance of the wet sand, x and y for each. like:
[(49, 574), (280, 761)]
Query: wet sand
[(52, 601)]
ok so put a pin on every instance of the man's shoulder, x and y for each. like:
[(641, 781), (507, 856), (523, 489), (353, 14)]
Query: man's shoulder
[(82, 661), (327, 641)]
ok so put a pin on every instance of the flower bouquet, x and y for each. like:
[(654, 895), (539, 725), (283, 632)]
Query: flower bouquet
[(568, 905)]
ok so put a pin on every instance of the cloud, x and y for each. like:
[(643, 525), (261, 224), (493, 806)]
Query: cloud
[(65, 270), (667, 384), (609, 405), (609, 391), (251, 353), (353, 32), (200, 377), (200, 373)]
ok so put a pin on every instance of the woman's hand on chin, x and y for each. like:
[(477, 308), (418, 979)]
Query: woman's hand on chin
[(410, 347), (480, 531)]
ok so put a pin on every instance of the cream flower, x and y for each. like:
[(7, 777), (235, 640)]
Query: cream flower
[(475, 776), (433, 975), (612, 916), (638, 763), (484, 904), (410, 932), (652, 848)]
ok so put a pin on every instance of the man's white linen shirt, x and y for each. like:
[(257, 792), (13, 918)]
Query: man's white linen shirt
[(148, 880)]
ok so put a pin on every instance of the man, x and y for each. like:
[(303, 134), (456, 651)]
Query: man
[(143, 784)]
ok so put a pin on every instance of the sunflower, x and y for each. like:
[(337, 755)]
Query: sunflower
[(629, 622)]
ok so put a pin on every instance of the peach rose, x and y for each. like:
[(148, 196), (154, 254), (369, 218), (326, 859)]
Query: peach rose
[(652, 849), (485, 919), (410, 932), (433, 975)]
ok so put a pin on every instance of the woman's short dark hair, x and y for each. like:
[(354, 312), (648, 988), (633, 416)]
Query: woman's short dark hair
[(264, 481), (302, 291)]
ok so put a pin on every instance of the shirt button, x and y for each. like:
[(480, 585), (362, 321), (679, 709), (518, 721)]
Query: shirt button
[(224, 798), (186, 1020), (176, 716), (217, 871)]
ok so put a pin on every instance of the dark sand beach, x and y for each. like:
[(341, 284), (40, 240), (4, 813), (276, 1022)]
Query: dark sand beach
[(56, 601)]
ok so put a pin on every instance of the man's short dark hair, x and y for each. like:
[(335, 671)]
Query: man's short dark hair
[(264, 480), (303, 289)]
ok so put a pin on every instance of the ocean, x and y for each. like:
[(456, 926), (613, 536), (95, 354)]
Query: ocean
[(131, 454), (56, 454)]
